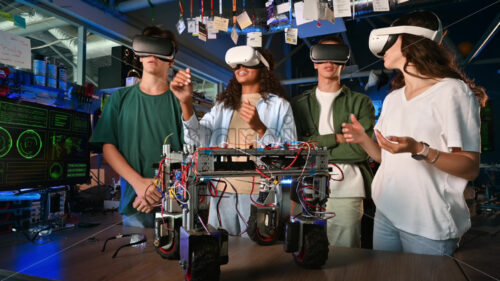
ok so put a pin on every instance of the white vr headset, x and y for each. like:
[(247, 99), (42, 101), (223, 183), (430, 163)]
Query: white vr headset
[(246, 56), (381, 39)]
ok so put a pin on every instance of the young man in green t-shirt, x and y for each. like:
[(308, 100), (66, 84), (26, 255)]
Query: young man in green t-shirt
[(134, 124)]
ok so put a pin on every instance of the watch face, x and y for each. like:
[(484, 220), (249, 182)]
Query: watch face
[(418, 156)]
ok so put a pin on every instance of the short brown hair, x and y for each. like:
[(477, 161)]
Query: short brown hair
[(333, 38), (155, 31)]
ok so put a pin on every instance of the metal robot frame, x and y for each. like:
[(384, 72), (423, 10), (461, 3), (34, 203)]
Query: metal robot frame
[(187, 180)]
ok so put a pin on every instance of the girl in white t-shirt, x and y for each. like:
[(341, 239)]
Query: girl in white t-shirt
[(428, 141)]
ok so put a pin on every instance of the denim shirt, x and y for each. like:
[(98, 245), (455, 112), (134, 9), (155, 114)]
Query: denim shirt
[(213, 128)]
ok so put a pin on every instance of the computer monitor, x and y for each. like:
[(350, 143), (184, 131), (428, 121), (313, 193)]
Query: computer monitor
[(42, 146)]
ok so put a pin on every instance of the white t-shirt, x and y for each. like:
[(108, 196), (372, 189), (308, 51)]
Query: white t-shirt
[(414, 195), (352, 185)]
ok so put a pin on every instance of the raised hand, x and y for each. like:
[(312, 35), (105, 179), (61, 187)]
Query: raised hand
[(354, 133), (250, 115), (182, 86)]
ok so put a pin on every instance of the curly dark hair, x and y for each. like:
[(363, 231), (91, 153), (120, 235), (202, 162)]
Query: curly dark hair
[(269, 83), (430, 58)]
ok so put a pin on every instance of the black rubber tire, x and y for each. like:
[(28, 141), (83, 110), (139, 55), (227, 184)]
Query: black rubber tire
[(205, 264), (314, 252), (253, 233), (171, 253)]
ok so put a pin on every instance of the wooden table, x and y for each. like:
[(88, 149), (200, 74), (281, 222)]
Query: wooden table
[(76, 255)]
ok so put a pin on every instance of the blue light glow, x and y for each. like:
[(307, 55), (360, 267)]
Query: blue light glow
[(11, 196), (286, 181), (39, 260)]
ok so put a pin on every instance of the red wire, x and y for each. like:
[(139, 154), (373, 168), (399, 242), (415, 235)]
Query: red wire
[(204, 226), (218, 202), (294, 160), (341, 172), (262, 174), (309, 204), (212, 187)]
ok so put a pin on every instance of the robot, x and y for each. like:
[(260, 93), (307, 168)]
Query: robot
[(188, 179)]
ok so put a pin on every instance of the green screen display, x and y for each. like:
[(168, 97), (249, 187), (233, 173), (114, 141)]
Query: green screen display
[(42, 145)]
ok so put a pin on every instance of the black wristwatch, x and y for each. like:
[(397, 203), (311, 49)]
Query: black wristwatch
[(422, 154)]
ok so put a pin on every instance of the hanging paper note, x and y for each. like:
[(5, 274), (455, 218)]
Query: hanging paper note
[(380, 5), (254, 39), (299, 11), (15, 50), (270, 12), (221, 23), (311, 10), (402, 1), (191, 25), (244, 20), (210, 27), (202, 31), (283, 8), (181, 26), (342, 8), (291, 36), (325, 13), (234, 35), (212, 36)]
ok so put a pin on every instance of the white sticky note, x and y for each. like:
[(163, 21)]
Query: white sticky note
[(311, 10), (221, 23), (210, 27), (380, 5), (299, 11), (212, 36), (181, 26), (283, 8), (234, 35), (342, 8), (15, 50), (244, 20), (254, 39), (291, 36), (402, 1)]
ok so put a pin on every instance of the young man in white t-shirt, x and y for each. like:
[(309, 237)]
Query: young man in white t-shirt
[(319, 113)]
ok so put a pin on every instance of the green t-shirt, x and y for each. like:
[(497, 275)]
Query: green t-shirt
[(137, 124)]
